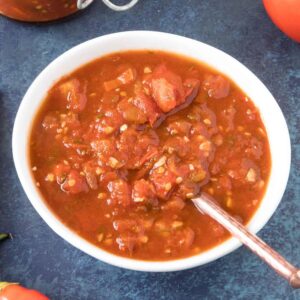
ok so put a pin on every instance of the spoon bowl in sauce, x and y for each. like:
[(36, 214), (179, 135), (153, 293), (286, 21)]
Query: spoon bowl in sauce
[(206, 204)]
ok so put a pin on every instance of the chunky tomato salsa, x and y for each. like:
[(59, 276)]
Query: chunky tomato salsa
[(121, 145), (37, 10)]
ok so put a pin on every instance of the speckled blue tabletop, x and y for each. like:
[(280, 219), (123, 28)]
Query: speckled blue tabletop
[(38, 258)]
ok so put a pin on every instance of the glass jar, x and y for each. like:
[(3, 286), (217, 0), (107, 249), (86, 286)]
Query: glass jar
[(47, 10)]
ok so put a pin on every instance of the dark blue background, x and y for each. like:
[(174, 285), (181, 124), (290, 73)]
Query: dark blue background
[(38, 258)]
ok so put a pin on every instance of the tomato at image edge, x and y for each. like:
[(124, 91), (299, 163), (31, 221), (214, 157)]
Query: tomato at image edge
[(14, 291), (286, 16)]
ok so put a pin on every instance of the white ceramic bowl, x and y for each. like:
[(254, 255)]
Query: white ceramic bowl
[(270, 112)]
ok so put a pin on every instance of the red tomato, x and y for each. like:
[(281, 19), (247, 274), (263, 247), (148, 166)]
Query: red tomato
[(12, 291), (286, 15), (74, 183), (217, 86), (74, 94), (167, 88)]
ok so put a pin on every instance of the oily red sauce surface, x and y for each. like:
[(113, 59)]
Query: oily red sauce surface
[(37, 10), (117, 155)]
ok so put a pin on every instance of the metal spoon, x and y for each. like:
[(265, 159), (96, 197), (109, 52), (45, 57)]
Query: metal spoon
[(82, 4), (206, 204)]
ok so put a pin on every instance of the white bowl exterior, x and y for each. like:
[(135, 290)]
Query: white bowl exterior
[(133, 40)]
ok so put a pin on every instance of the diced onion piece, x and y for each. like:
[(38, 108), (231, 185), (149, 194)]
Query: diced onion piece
[(147, 70), (160, 162), (177, 224), (251, 175), (179, 180), (50, 177), (100, 237), (123, 127)]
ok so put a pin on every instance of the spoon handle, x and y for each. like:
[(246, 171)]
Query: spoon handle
[(205, 204)]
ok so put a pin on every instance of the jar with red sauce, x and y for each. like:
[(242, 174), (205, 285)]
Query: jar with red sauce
[(48, 10)]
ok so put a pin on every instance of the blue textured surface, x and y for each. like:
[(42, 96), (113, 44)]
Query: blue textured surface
[(38, 258)]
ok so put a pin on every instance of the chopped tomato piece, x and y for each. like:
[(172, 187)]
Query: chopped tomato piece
[(61, 171), (188, 189), (164, 94), (74, 94), (229, 115), (206, 116), (111, 85), (191, 91), (217, 86), (125, 77), (131, 112), (202, 148), (199, 129), (89, 169), (107, 176), (143, 171), (191, 86), (103, 147), (198, 172), (179, 145), (120, 192), (74, 183), (111, 122), (244, 171), (138, 147), (175, 203), (167, 88), (183, 238), (148, 107), (151, 152), (143, 191), (168, 92), (255, 148), (148, 138), (179, 127), (177, 167), (164, 182), (127, 144), (131, 232)]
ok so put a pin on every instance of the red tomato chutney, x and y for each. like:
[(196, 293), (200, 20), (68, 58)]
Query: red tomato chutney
[(37, 10), (121, 145)]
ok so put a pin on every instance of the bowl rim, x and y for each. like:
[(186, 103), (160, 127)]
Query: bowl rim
[(174, 44)]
